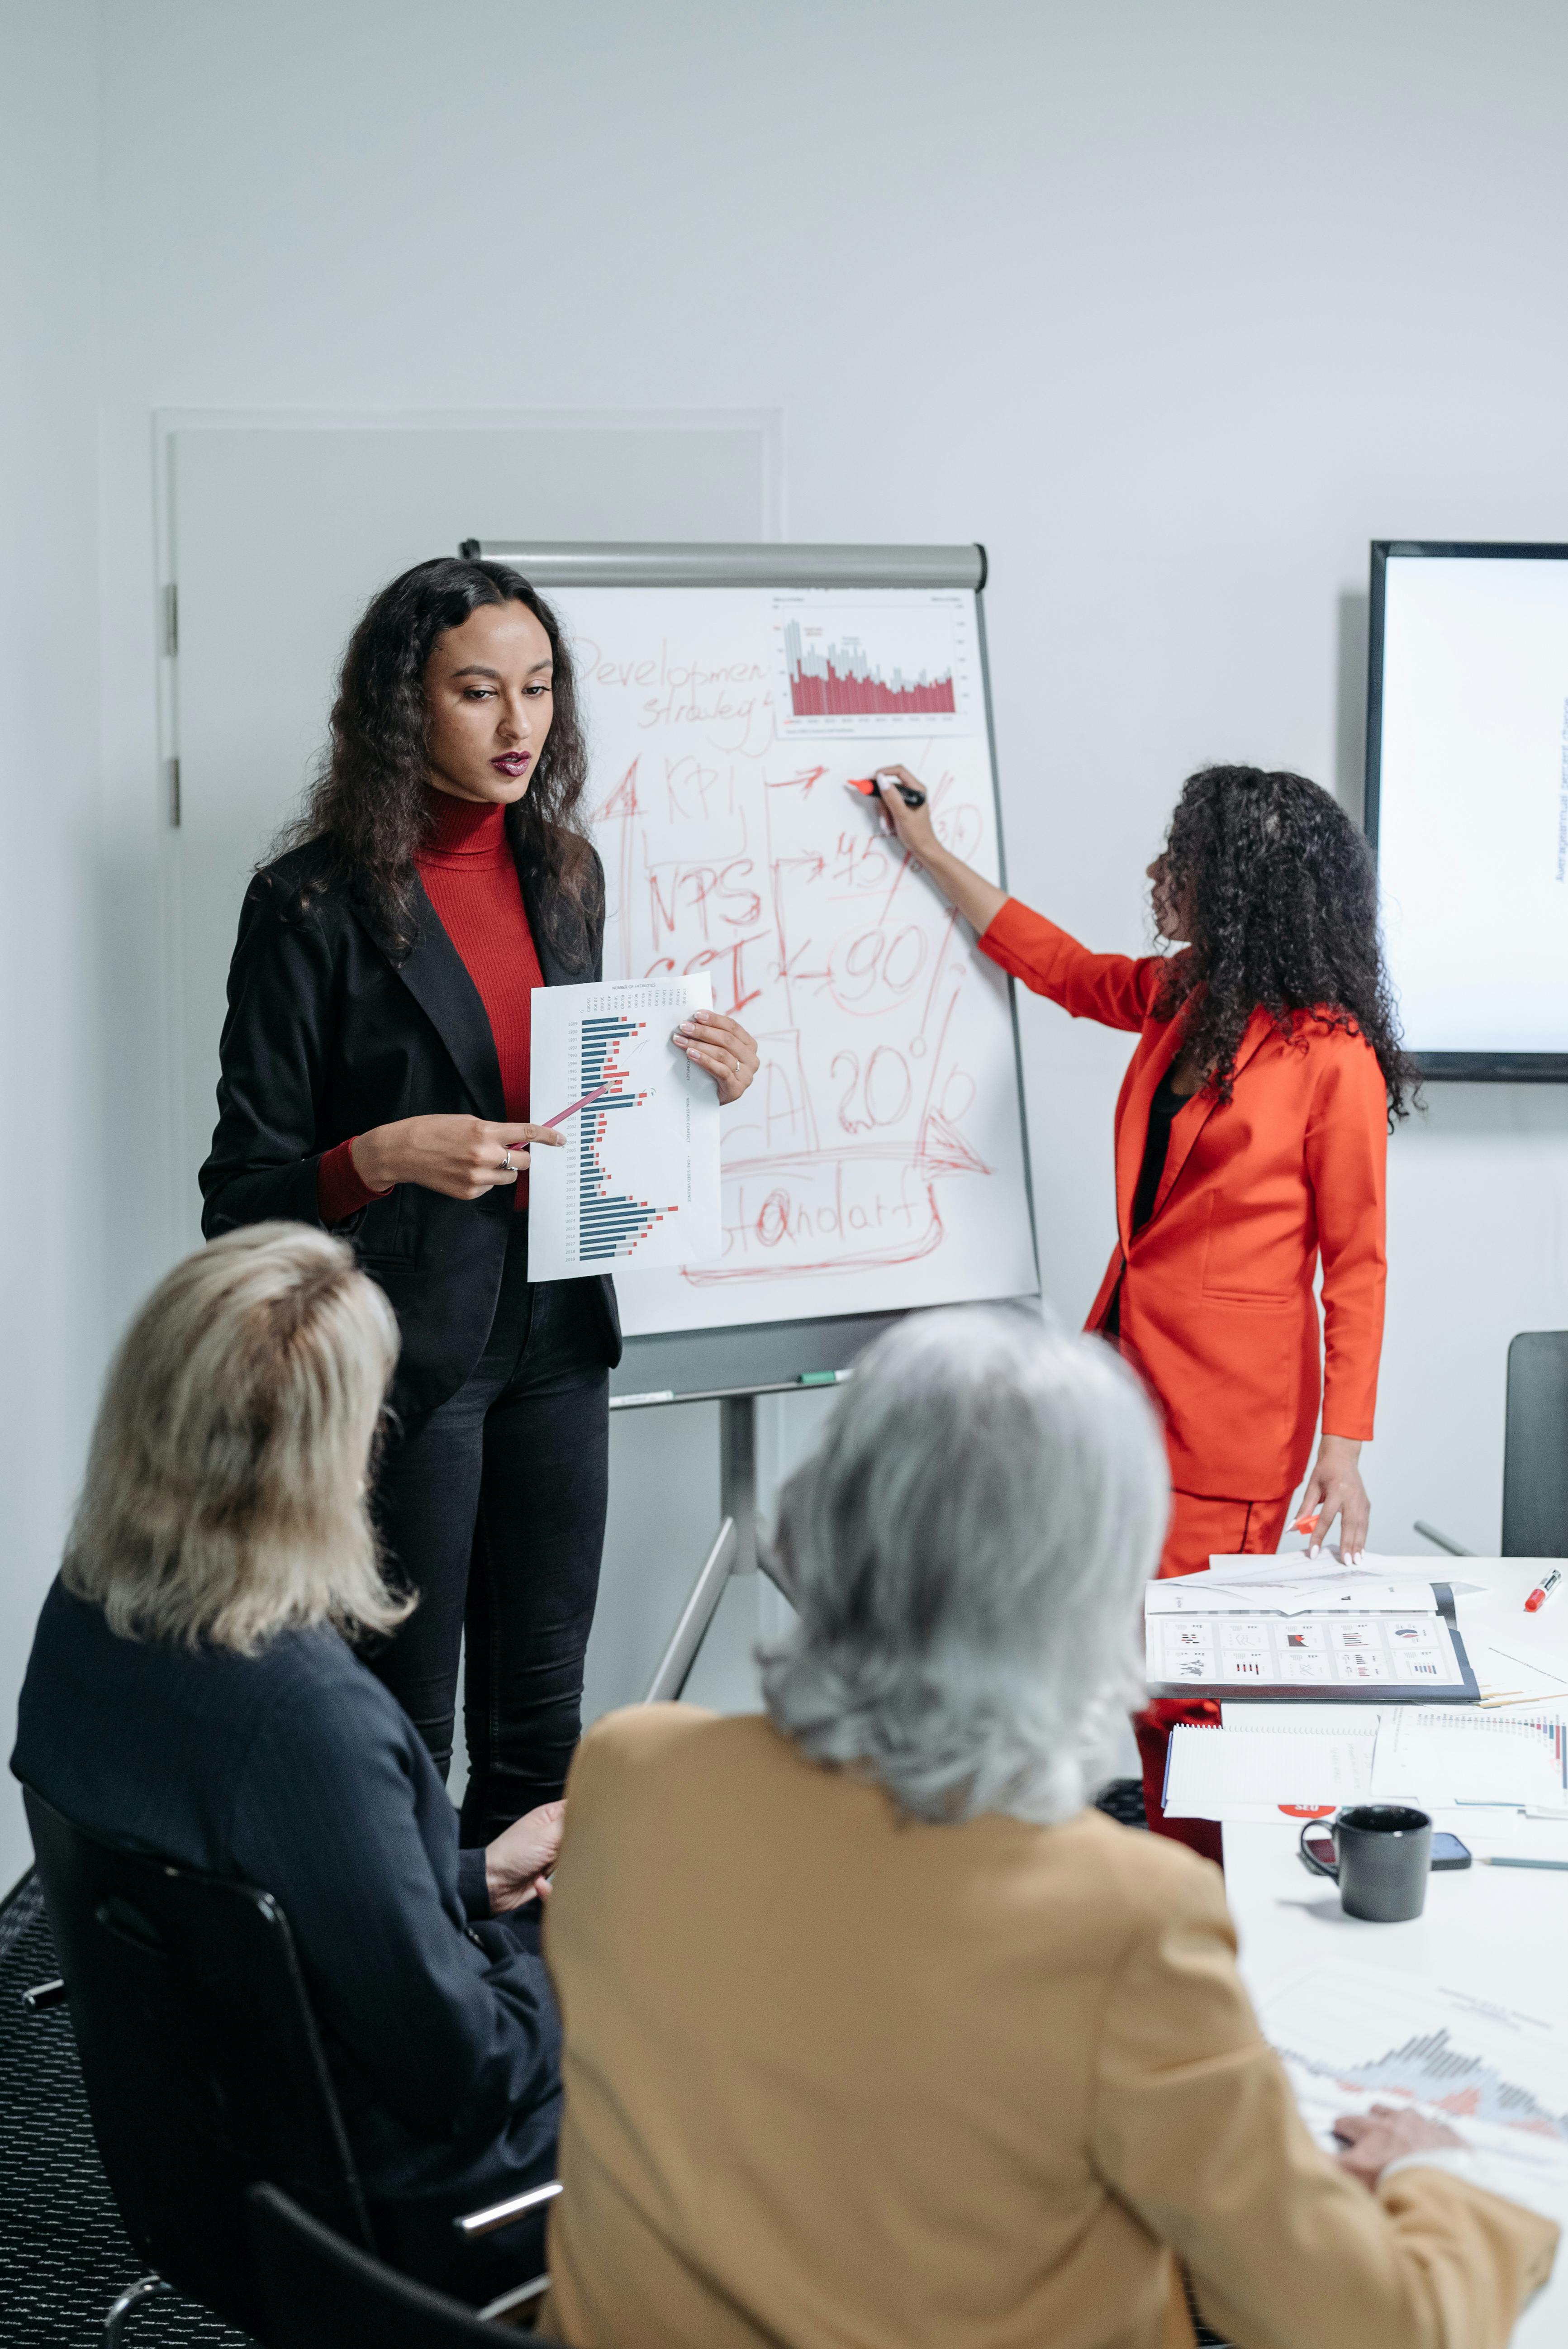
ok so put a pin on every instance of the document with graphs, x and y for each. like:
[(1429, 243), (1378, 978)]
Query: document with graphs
[(637, 1183), (1354, 1637)]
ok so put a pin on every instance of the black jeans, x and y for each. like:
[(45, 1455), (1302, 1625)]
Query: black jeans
[(493, 1507)]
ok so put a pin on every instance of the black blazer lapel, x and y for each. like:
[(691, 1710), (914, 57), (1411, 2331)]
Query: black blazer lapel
[(435, 977)]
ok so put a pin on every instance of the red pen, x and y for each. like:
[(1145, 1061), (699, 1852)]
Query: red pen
[(1543, 1591), (563, 1114)]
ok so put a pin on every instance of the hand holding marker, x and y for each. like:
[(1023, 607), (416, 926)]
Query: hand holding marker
[(910, 793)]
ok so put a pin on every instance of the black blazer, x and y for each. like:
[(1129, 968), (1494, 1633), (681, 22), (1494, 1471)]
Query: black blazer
[(330, 1031), (296, 1771)]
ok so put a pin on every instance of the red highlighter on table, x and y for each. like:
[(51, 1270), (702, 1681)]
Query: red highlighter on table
[(910, 793), (1543, 1591)]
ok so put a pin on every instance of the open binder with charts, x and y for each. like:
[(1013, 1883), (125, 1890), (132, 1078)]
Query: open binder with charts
[(1355, 1639)]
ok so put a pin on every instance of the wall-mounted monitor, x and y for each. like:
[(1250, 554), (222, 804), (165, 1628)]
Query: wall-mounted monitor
[(1467, 801)]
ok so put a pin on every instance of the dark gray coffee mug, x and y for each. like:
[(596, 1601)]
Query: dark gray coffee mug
[(1383, 1855)]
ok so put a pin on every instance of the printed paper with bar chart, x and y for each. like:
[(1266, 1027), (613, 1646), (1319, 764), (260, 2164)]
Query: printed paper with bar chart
[(637, 1181), (1354, 2035), (852, 664)]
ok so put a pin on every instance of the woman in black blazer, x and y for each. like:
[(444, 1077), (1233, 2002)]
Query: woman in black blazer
[(374, 1081)]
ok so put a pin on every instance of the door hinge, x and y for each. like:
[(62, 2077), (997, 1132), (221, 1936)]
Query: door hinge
[(171, 620), (174, 793)]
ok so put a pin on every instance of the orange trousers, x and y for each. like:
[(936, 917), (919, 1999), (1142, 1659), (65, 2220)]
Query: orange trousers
[(1200, 1528)]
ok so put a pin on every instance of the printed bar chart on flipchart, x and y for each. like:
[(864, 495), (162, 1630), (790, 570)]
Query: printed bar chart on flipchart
[(850, 663), (637, 1180)]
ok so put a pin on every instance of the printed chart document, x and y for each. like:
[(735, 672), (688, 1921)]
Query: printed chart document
[(1440, 1756), (1352, 1636), (1351, 2036), (637, 1181)]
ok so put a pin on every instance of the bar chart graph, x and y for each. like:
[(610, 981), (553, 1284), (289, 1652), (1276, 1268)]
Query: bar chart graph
[(637, 1183), (861, 665), (839, 682), (609, 1223)]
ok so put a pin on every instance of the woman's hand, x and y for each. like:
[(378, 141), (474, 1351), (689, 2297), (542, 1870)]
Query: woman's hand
[(1372, 2140), (517, 1863), (978, 900), (722, 1047), (461, 1157), (1333, 1490), (913, 826)]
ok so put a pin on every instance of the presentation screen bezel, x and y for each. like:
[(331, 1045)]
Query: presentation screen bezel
[(1501, 1067)]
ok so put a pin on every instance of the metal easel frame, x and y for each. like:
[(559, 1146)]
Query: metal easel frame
[(735, 1546)]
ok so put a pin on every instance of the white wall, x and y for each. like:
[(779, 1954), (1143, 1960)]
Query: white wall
[(56, 1158), (1176, 308)]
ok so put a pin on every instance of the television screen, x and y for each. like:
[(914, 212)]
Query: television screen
[(1467, 801)]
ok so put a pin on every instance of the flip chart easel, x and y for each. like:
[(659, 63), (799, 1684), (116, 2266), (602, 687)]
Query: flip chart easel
[(880, 1162)]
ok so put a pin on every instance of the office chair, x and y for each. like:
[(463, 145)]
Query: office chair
[(203, 2066), (323, 2291), (1534, 1452), (200, 2060)]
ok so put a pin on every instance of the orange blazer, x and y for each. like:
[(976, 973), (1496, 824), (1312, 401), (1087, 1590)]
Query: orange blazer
[(1217, 1300)]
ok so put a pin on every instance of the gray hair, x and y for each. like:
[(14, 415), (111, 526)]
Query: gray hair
[(225, 1497), (967, 1545)]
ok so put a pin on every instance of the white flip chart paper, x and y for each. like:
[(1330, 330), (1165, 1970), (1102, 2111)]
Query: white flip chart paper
[(637, 1181)]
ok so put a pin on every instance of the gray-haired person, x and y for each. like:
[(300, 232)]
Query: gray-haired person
[(192, 1692), (873, 2033)]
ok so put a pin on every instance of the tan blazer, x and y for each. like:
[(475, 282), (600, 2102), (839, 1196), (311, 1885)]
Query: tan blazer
[(836, 2079)]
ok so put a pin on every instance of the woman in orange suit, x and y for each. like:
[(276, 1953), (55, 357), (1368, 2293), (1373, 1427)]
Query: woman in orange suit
[(1251, 1139)]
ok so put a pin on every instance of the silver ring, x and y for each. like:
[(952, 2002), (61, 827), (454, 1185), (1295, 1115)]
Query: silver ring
[(506, 1161)]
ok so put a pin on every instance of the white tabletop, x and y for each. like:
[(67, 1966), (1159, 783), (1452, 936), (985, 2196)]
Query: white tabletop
[(1501, 1930)]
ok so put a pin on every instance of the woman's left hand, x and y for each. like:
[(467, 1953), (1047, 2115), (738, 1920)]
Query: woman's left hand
[(1333, 1490), (518, 1864), (722, 1047)]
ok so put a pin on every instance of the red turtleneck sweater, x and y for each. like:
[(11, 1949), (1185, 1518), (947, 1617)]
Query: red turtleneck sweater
[(471, 881)]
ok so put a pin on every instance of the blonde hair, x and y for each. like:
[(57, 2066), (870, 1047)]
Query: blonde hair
[(225, 1497)]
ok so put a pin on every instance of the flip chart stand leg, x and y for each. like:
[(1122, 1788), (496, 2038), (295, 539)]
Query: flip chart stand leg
[(738, 1476), (734, 1549)]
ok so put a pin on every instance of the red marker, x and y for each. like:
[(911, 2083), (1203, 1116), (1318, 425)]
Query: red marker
[(1543, 1591), (910, 793), (1305, 1525)]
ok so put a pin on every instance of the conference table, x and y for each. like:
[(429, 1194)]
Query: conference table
[(1500, 1931)]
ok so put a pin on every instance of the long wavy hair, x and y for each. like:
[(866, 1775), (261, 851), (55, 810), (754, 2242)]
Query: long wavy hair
[(225, 1492), (369, 801), (1279, 895)]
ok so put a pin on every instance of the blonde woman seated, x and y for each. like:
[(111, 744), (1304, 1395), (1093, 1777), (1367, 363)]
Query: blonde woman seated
[(873, 2033), (189, 1694)]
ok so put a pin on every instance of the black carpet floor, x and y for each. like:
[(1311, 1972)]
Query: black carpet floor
[(64, 2255)]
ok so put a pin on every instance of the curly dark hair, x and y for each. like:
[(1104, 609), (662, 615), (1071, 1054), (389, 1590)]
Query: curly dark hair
[(369, 801), (1279, 895)]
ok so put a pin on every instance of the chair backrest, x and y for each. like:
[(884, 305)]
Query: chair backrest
[(1535, 1446), (322, 2292), (199, 2053)]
